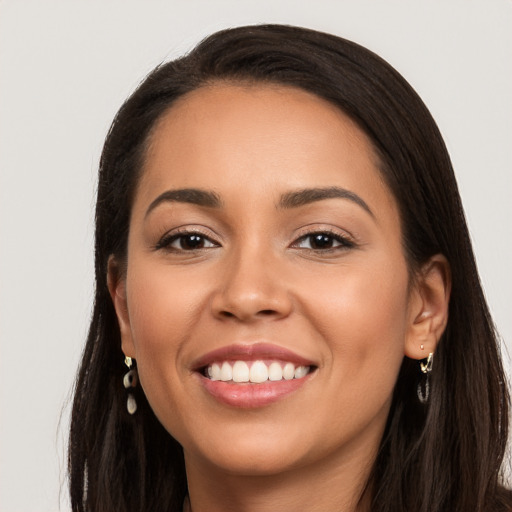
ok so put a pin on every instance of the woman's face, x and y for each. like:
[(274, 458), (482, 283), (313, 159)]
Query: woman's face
[(264, 245)]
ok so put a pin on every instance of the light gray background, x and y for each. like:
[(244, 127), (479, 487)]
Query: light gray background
[(65, 68)]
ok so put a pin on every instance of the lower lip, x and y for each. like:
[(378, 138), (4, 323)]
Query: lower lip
[(247, 395)]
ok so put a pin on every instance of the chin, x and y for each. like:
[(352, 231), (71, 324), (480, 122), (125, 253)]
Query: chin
[(250, 451), (255, 461)]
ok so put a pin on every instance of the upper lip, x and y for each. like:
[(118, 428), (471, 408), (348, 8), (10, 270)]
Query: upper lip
[(250, 352)]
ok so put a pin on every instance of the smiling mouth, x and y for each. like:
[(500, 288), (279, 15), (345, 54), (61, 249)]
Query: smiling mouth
[(255, 372), (253, 375)]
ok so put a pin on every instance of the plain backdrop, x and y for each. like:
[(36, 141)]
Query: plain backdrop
[(65, 68)]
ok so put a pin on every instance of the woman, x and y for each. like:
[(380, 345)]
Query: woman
[(280, 251)]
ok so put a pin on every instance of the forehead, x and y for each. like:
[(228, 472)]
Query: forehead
[(258, 136)]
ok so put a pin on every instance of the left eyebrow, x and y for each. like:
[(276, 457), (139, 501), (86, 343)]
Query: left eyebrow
[(311, 195)]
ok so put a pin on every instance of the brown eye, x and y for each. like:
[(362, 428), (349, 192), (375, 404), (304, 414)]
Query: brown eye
[(323, 241), (186, 242), (191, 242)]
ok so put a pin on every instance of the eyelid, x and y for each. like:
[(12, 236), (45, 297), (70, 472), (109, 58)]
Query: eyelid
[(345, 240), (170, 236), (342, 241), (315, 229)]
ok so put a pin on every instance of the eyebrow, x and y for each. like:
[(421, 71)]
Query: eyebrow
[(288, 200), (312, 195), (187, 195)]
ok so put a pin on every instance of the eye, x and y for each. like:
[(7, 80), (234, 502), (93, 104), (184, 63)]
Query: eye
[(323, 241), (186, 242)]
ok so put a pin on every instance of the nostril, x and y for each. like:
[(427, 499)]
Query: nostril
[(263, 312)]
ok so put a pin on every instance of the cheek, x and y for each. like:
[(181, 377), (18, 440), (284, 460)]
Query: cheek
[(164, 311), (163, 307), (363, 318)]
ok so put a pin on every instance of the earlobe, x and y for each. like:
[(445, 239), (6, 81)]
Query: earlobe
[(428, 308), (116, 282)]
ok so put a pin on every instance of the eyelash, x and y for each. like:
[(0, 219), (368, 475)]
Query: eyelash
[(343, 241), (167, 240)]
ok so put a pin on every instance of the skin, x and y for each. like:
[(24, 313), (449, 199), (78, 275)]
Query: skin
[(352, 309)]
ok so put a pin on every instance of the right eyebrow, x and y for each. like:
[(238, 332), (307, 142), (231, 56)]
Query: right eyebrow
[(195, 196)]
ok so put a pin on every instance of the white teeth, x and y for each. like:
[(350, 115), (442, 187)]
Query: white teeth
[(226, 373), (300, 371), (257, 373), (275, 372), (240, 372), (214, 371), (288, 371)]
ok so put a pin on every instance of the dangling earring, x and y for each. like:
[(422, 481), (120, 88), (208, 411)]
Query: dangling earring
[(427, 367), (423, 389), (130, 380)]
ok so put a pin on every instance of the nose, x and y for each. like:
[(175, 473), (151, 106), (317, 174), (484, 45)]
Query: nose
[(252, 288)]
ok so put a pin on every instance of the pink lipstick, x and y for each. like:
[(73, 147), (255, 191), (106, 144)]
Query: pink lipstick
[(251, 376)]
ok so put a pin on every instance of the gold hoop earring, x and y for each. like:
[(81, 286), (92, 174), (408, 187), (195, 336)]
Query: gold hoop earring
[(427, 367)]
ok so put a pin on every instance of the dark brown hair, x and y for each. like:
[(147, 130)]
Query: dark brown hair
[(443, 456)]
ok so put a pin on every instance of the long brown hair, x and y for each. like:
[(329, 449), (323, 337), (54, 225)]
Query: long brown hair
[(443, 456)]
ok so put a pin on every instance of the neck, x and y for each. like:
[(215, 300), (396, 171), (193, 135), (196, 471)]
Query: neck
[(334, 484)]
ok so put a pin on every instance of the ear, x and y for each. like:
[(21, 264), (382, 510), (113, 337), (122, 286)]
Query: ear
[(428, 307), (116, 282)]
